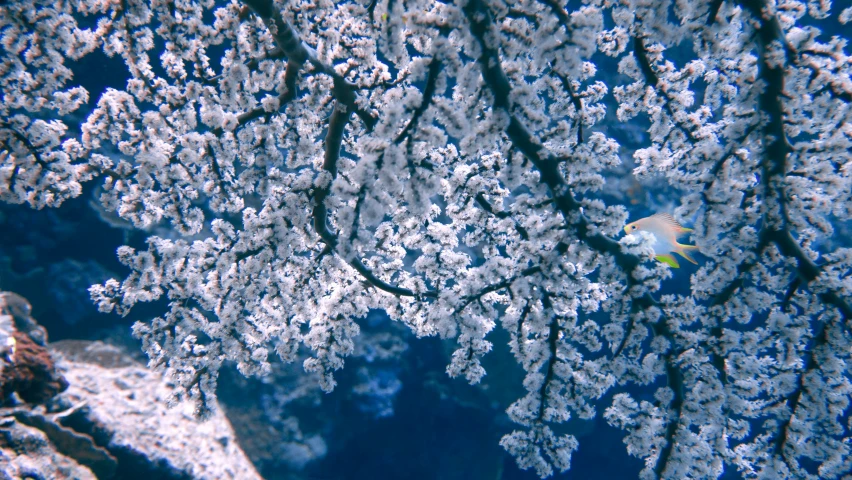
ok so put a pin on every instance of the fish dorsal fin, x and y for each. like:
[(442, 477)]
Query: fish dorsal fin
[(669, 220)]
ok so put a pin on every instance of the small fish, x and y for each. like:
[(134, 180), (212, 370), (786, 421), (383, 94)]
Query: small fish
[(666, 230)]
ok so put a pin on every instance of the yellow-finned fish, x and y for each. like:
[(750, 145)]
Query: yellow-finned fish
[(666, 230)]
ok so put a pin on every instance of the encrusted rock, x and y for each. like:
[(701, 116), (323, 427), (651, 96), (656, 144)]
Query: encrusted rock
[(26, 452), (26, 367), (122, 406), (75, 445)]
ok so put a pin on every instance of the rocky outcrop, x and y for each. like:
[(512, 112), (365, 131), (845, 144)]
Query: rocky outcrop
[(32, 445), (122, 406), (80, 410), (26, 368), (26, 452), (70, 443)]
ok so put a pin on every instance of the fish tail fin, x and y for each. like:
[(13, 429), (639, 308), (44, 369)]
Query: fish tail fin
[(683, 251), (668, 259), (683, 231)]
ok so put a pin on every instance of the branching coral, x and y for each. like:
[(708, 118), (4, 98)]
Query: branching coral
[(443, 161)]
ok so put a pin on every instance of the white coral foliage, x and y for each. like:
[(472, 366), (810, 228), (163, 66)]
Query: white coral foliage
[(443, 161)]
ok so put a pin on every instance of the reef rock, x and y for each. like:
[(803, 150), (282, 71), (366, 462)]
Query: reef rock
[(122, 406), (107, 417), (26, 452), (26, 367)]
